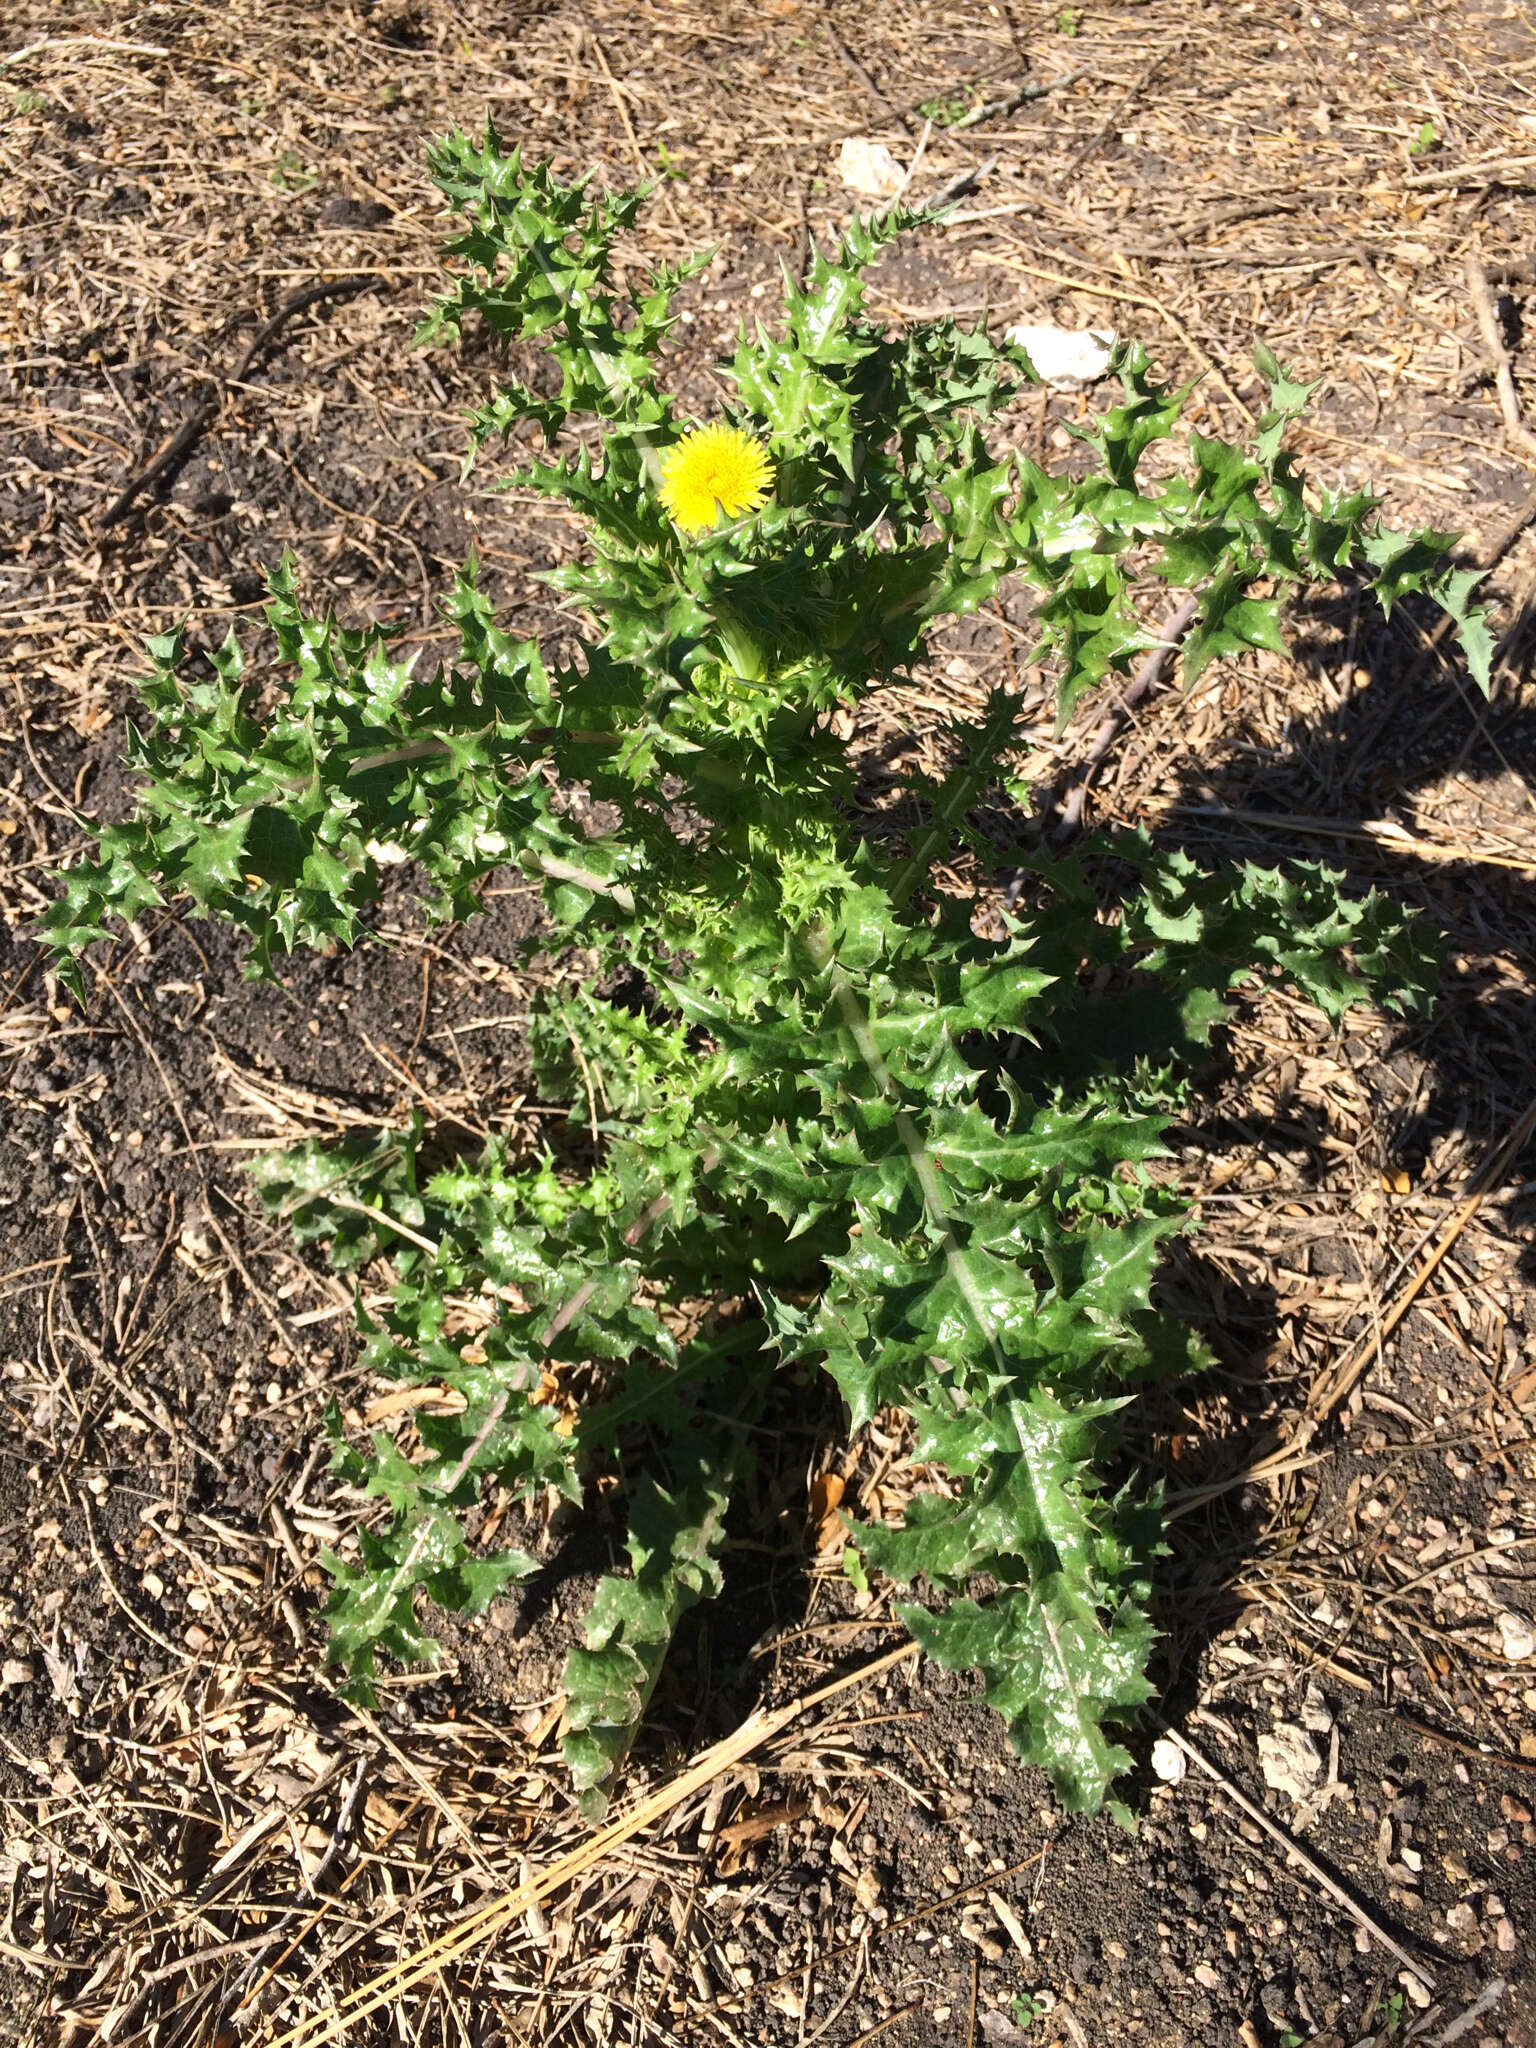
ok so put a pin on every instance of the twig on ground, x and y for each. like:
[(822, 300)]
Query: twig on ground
[(627, 125), (990, 1882), (377, 1215), (1416, 313), (960, 184), (1504, 1759), (1486, 558), (1069, 815), (855, 1979), (1494, 346), (1295, 1853), (1132, 92), (858, 71), (1333, 1385), (1275, 1466), (311, 295), (191, 430), (1011, 102), (645, 1221), (176, 1650), (1381, 830), (1491, 171), (478, 1441), (46, 43), (902, 2012), (423, 1784), (1483, 2004), (1071, 2022), (918, 154), (481, 1926), (39, 1959)]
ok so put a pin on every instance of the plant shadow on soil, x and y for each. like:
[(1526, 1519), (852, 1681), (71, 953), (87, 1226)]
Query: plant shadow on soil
[(774, 1581), (1340, 763), (1413, 721)]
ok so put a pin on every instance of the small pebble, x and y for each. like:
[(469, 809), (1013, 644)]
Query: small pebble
[(1519, 1638), (16, 1671), (1168, 1761), (1316, 1714)]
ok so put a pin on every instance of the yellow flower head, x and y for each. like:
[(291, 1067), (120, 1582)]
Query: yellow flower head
[(712, 470)]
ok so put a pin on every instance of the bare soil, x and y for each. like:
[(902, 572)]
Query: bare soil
[(202, 1843)]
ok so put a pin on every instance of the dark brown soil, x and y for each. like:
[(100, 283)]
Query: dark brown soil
[(174, 1764)]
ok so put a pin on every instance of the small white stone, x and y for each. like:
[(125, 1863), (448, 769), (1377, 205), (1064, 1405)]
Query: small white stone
[(1289, 1760), (16, 1671), (869, 167), (1316, 1714), (1416, 1988), (1066, 358), (1518, 1636), (1168, 1761)]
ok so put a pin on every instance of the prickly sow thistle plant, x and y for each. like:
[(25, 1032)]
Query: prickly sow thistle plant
[(838, 1127)]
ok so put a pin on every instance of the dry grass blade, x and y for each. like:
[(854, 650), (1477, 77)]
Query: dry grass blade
[(1332, 1386), (1275, 1466), (892, 2019), (1383, 831), (487, 1920), (1488, 326), (1298, 1856), (47, 43)]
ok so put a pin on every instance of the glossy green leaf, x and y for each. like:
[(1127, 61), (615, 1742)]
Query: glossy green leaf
[(810, 1093)]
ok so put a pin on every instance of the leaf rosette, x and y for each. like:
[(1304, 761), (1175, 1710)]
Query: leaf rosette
[(869, 1138)]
